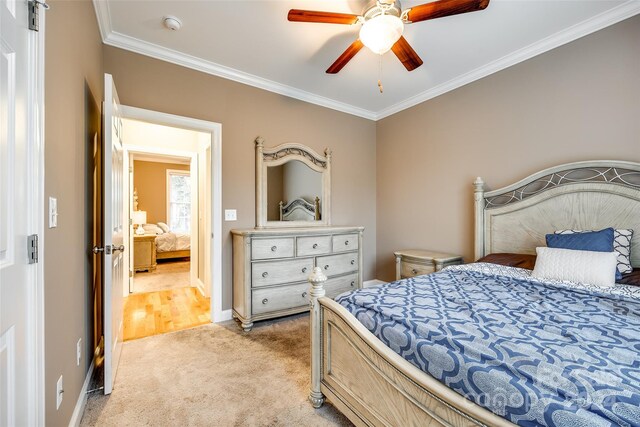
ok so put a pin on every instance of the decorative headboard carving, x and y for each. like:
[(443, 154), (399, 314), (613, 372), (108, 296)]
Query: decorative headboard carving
[(580, 195)]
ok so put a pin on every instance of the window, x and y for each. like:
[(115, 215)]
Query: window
[(179, 201)]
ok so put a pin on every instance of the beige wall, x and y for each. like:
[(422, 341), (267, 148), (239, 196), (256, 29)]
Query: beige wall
[(150, 179), (578, 102), (73, 79), (246, 112)]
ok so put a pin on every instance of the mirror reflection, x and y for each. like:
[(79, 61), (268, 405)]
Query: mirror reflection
[(293, 192)]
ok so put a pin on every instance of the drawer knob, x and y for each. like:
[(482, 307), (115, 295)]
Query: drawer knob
[(414, 271), (264, 301), (326, 267), (353, 261), (304, 295), (346, 243), (304, 269), (315, 246), (353, 282), (274, 248), (265, 274)]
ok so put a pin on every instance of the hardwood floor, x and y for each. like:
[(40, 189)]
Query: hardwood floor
[(154, 313)]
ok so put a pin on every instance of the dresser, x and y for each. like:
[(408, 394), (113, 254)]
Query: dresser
[(415, 262), (144, 252), (271, 267)]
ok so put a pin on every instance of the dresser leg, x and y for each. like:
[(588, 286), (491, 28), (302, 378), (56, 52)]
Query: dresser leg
[(246, 326)]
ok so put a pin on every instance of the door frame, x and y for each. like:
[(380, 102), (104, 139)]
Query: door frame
[(36, 219), (215, 130)]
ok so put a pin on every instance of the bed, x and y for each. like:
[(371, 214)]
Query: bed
[(372, 384), (173, 245)]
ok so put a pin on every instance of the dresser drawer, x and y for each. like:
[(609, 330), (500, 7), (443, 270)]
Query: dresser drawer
[(318, 245), (334, 265), (277, 272), (279, 298), (272, 248), (338, 285), (345, 242), (411, 269)]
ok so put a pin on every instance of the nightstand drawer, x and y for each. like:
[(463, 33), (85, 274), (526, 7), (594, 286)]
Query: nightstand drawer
[(411, 269), (416, 262)]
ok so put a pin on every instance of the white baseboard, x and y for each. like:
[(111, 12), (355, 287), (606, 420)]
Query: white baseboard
[(374, 282), (200, 287), (225, 315), (78, 411)]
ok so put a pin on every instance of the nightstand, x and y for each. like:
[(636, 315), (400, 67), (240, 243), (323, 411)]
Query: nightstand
[(144, 252), (415, 262)]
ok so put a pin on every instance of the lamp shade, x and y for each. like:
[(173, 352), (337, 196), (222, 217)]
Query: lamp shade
[(380, 33), (139, 217)]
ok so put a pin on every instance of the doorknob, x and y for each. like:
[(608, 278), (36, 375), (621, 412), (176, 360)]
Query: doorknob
[(97, 249), (115, 248)]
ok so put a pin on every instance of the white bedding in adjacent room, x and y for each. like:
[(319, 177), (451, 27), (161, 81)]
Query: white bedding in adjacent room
[(168, 242)]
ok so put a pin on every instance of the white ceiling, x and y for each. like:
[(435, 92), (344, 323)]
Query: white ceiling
[(252, 42)]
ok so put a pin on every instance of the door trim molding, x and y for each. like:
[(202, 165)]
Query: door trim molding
[(36, 315), (215, 129)]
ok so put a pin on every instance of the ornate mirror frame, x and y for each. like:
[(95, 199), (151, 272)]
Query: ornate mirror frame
[(276, 156)]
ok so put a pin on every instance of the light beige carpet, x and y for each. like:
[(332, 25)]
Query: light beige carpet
[(167, 275), (215, 375)]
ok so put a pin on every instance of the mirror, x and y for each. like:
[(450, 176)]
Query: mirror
[(293, 186), (293, 192)]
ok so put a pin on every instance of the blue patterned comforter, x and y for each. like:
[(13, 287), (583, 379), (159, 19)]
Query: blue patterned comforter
[(533, 352)]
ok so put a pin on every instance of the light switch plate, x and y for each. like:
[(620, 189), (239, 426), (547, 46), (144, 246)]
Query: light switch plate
[(53, 212), (230, 215)]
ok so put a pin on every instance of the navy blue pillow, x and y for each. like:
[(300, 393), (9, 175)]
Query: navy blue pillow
[(596, 241)]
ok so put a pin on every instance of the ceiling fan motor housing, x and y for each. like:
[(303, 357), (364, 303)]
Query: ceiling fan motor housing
[(378, 7)]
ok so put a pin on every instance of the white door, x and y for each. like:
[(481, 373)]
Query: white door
[(19, 215), (114, 263)]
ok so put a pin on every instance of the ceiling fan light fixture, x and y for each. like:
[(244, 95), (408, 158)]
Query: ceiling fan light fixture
[(380, 33)]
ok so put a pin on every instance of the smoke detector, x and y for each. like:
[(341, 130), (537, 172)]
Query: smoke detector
[(172, 23)]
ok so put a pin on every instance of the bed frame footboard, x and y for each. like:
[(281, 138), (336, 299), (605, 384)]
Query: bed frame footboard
[(369, 382)]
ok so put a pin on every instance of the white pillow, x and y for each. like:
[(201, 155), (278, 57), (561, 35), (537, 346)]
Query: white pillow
[(164, 227), (152, 229), (594, 268)]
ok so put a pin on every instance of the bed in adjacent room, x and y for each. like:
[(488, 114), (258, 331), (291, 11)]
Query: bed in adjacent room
[(169, 244), (493, 343)]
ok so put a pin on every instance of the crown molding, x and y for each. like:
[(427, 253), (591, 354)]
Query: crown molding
[(103, 16), (132, 44), (591, 25), (584, 28)]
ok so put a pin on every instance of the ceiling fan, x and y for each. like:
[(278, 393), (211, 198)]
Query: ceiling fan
[(382, 26)]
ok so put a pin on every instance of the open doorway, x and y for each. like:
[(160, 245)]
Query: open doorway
[(169, 192)]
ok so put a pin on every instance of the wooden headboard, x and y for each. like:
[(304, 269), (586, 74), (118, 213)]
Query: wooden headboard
[(584, 195)]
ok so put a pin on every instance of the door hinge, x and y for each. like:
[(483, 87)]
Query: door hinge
[(34, 10), (32, 248), (33, 15)]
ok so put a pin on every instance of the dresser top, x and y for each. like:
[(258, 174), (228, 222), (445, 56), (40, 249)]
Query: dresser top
[(297, 231), (424, 254)]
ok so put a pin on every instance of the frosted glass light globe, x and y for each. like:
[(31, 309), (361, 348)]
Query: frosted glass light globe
[(380, 33)]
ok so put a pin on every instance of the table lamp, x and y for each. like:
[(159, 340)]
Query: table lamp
[(139, 218)]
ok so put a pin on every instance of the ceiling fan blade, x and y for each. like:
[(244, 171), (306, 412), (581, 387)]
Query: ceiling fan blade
[(345, 57), (406, 54), (442, 8), (297, 15)]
